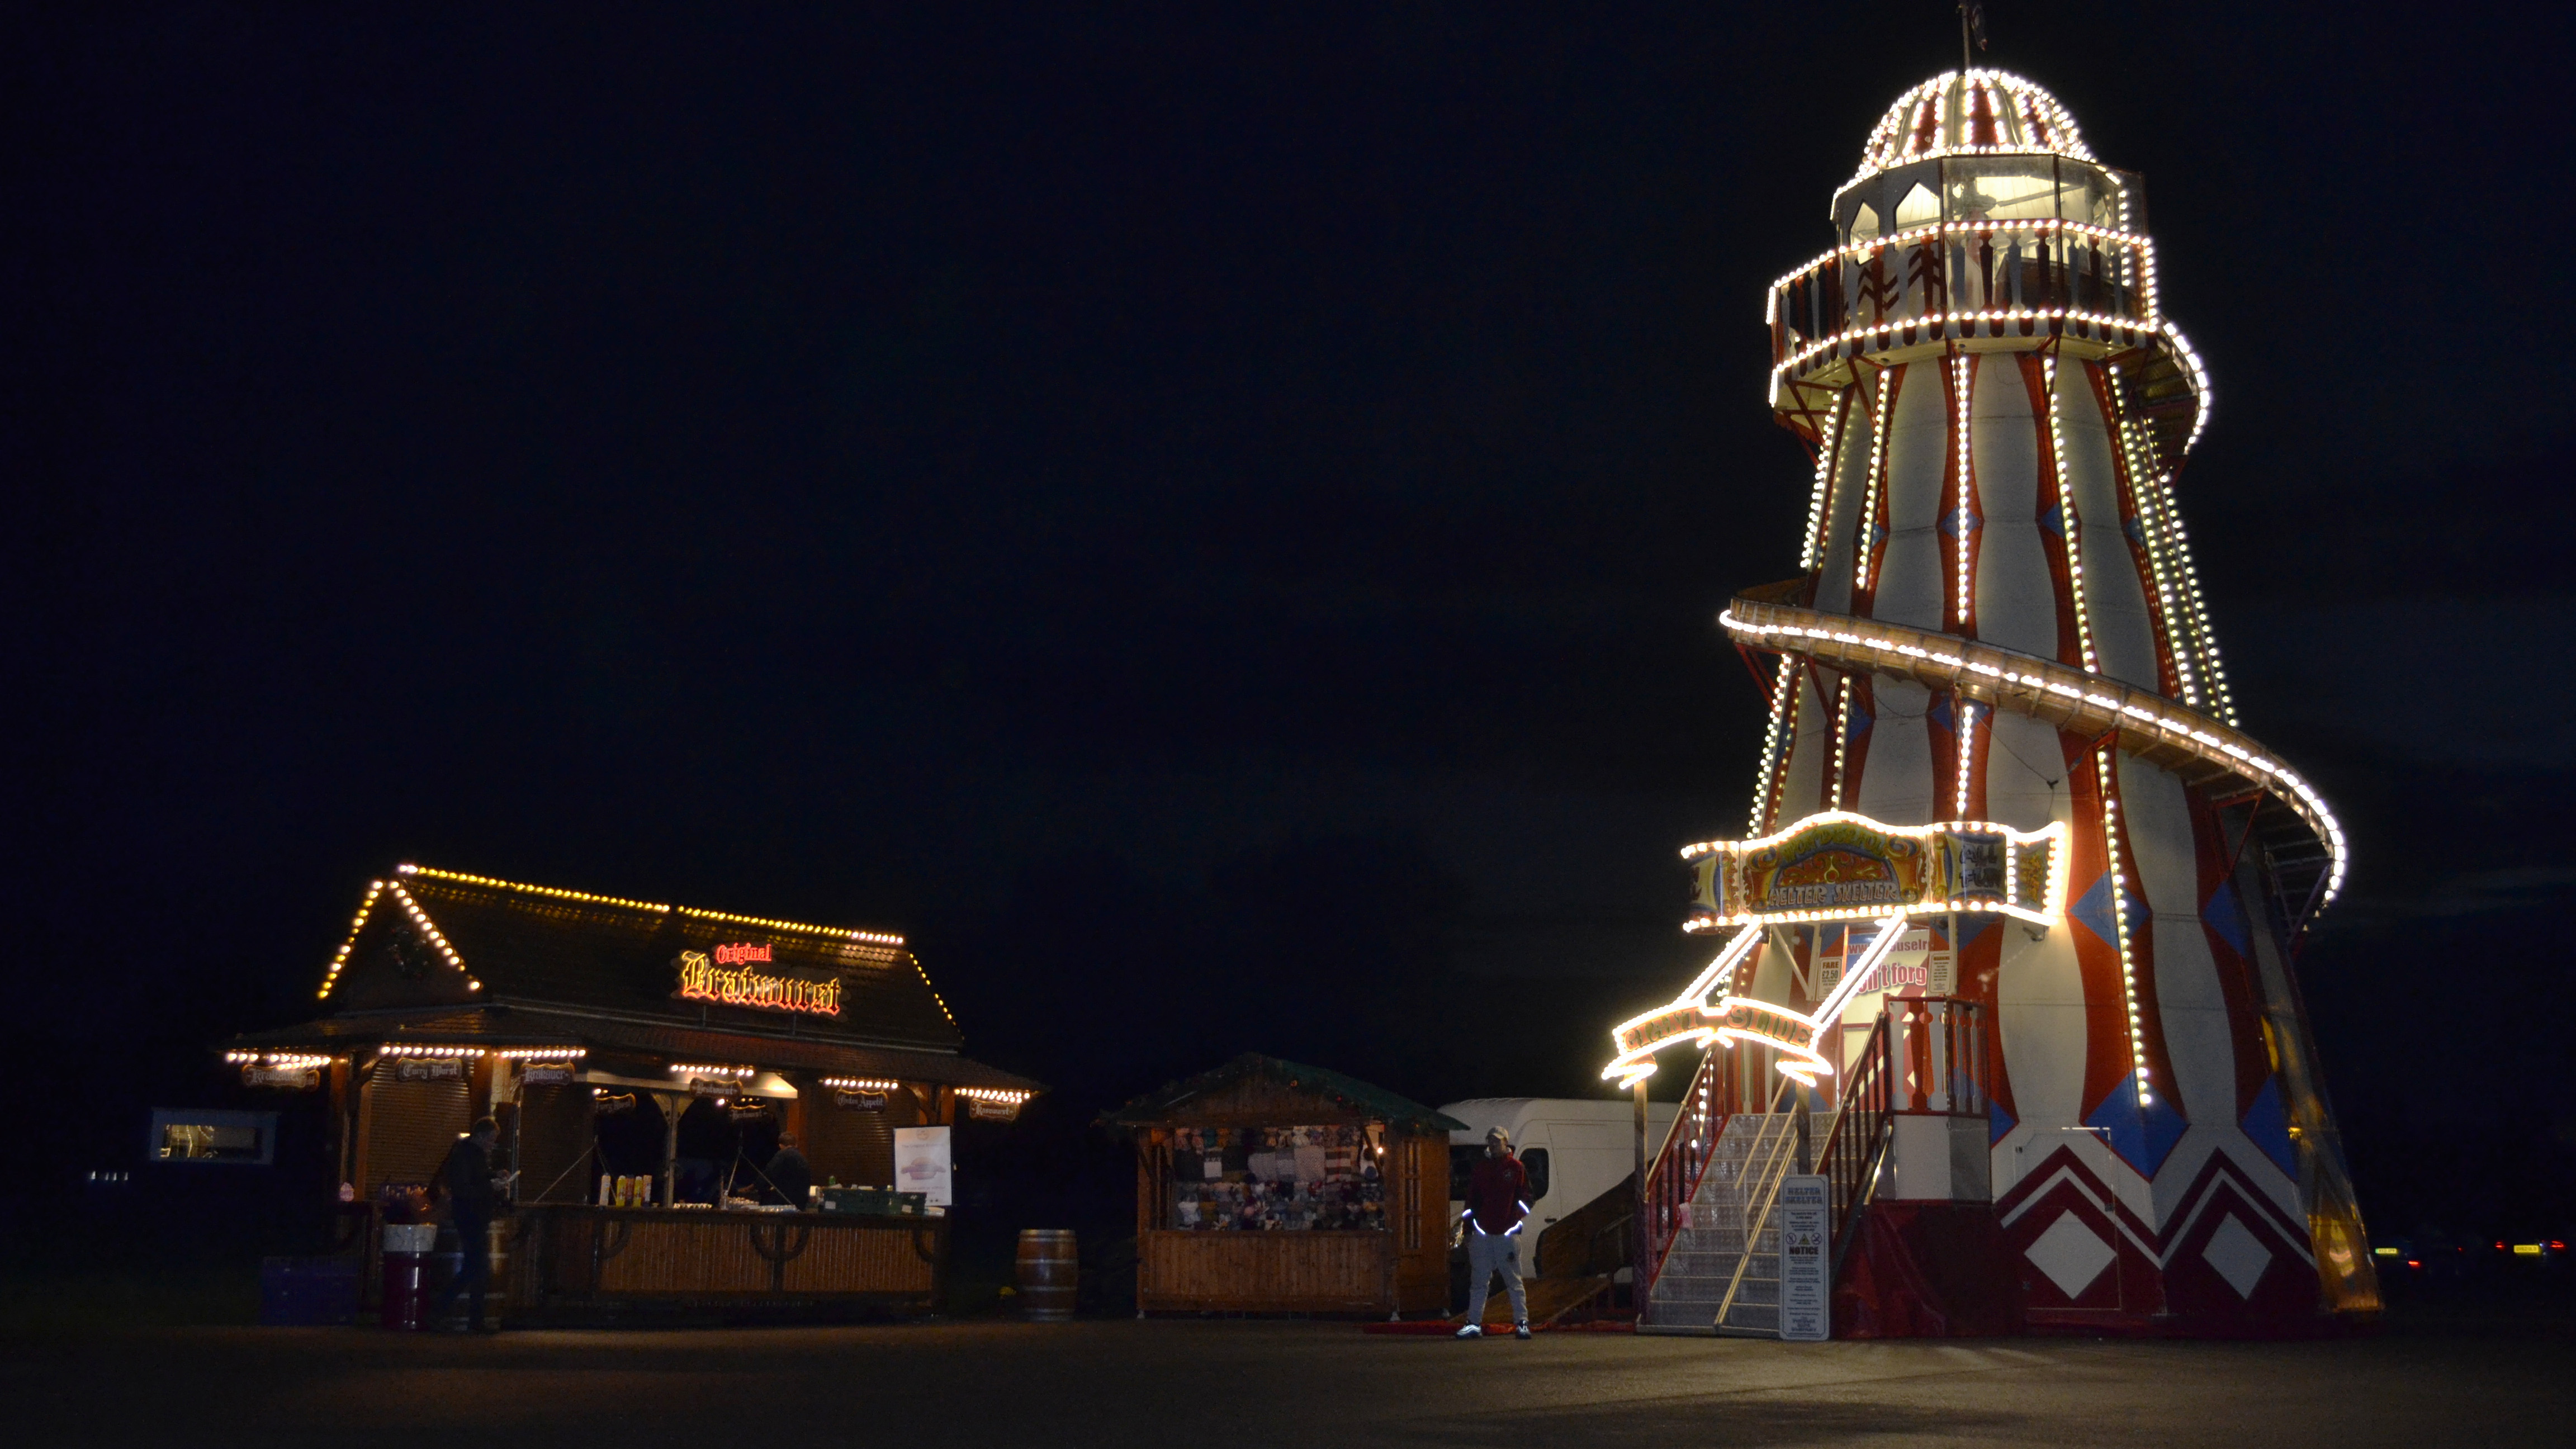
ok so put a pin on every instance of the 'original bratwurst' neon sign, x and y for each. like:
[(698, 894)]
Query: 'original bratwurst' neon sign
[(701, 979)]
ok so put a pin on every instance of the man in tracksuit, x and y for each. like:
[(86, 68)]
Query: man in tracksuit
[(1497, 1204)]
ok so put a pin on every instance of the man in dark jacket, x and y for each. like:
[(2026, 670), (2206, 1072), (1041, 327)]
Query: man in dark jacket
[(1497, 1204), (465, 1179), (790, 1174)]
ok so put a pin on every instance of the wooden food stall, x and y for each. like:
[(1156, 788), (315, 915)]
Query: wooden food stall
[(1267, 1186), (644, 1062)]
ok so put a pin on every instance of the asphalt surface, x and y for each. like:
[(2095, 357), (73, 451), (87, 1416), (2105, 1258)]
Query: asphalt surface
[(1235, 1383)]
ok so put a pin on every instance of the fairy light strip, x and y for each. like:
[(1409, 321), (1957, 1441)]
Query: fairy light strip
[(1863, 544), (2200, 390), (2138, 456), (1786, 706), (1813, 553), (1891, 141), (1859, 252), (282, 1061), (1842, 737), (2071, 526), (1965, 714), (425, 1049), (543, 1054), (2212, 668), (2052, 837), (877, 938), (880, 938), (1010, 1095), (429, 931), (340, 962), (860, 1084), (1636, 1057), (1964, 380), (556, 892), (698, 1069), (1935, 327), (2106, 768), (2129, 708)]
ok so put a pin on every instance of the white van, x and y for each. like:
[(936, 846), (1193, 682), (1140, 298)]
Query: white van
[(1573, 1148)]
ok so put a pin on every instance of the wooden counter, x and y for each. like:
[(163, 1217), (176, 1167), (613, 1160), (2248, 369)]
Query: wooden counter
[(1285, 1272), (578, 1263)]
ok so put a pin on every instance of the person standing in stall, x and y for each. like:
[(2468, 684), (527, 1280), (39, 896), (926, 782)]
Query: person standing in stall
[(1497, 1205), (473, 1194), (789, 1174)]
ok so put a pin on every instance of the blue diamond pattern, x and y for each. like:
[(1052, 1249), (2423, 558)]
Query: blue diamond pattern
[(2143, 1136), (2267, 1126), (2227, 918)]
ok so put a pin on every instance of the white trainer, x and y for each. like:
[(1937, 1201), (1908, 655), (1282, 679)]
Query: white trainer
[(1472, 1330)]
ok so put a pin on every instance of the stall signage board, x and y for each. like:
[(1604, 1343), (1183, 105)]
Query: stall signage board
[(860, 1101), (545, 1074), (921, 1164), (983, 1111), (300, 1079), (714, 1086), (735, 976), (430, 1069), (1806, 1237)]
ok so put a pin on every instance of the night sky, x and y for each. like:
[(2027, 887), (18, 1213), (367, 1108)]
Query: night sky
[(1208, 520)]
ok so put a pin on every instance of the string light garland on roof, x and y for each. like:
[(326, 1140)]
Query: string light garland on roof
[(556, 892), (693, 1069), (875, 938), (288, 1061), (994, 1094), (331, 977), (423, 1049), (860, 1084), (429, 930), (544, 1054)]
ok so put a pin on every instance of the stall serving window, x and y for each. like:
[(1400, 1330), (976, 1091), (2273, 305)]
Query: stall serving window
[(1275, 1179)]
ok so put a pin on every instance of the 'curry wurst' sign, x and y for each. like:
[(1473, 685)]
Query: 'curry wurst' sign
[(703, 978)]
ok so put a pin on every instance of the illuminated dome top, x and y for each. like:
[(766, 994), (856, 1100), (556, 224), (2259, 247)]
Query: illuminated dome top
[(1978, 112)]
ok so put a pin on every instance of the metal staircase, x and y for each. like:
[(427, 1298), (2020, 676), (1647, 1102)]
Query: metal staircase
[(1711, 1255)]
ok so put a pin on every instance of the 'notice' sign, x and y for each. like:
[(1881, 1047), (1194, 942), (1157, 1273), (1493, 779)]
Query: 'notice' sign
[(1805, 1215)]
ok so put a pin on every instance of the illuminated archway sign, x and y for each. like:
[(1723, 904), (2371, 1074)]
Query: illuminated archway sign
[(1837, 866)]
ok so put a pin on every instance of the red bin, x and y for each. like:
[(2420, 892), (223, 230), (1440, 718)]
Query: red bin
[(406, 1254)]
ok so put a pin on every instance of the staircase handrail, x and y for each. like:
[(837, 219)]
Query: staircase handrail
[(1672, 1179), (1772, 1172), (1860, 1127)]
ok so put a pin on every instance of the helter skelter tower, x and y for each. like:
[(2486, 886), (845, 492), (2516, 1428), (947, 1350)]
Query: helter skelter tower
[(2019, 900)]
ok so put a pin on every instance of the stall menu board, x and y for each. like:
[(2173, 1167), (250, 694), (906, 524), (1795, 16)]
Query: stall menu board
[(1275, 1179), (921, 1164)]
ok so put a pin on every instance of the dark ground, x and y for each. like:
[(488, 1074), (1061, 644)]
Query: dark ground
[(2462, 1380)]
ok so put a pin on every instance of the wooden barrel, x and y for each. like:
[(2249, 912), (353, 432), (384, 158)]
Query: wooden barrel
[(1048, 1268)]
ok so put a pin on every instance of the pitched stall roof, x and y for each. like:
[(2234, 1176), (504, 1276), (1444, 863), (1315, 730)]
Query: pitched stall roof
[(432, 937), (1221, 1094), (444, 956)]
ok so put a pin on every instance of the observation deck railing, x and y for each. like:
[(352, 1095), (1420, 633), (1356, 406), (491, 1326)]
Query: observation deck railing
[(1964, 279)]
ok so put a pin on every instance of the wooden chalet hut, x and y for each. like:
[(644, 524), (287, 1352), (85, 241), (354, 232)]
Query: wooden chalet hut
[(1267, 1186), (643, 1059)]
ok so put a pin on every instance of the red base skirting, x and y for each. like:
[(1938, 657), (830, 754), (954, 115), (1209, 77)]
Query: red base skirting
[(1927, 1270)]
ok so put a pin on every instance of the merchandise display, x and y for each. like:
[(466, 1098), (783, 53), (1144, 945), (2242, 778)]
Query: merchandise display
[(1257, 1179)]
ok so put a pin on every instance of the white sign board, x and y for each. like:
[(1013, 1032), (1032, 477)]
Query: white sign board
[(1805, 1219), (921, 1164)]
